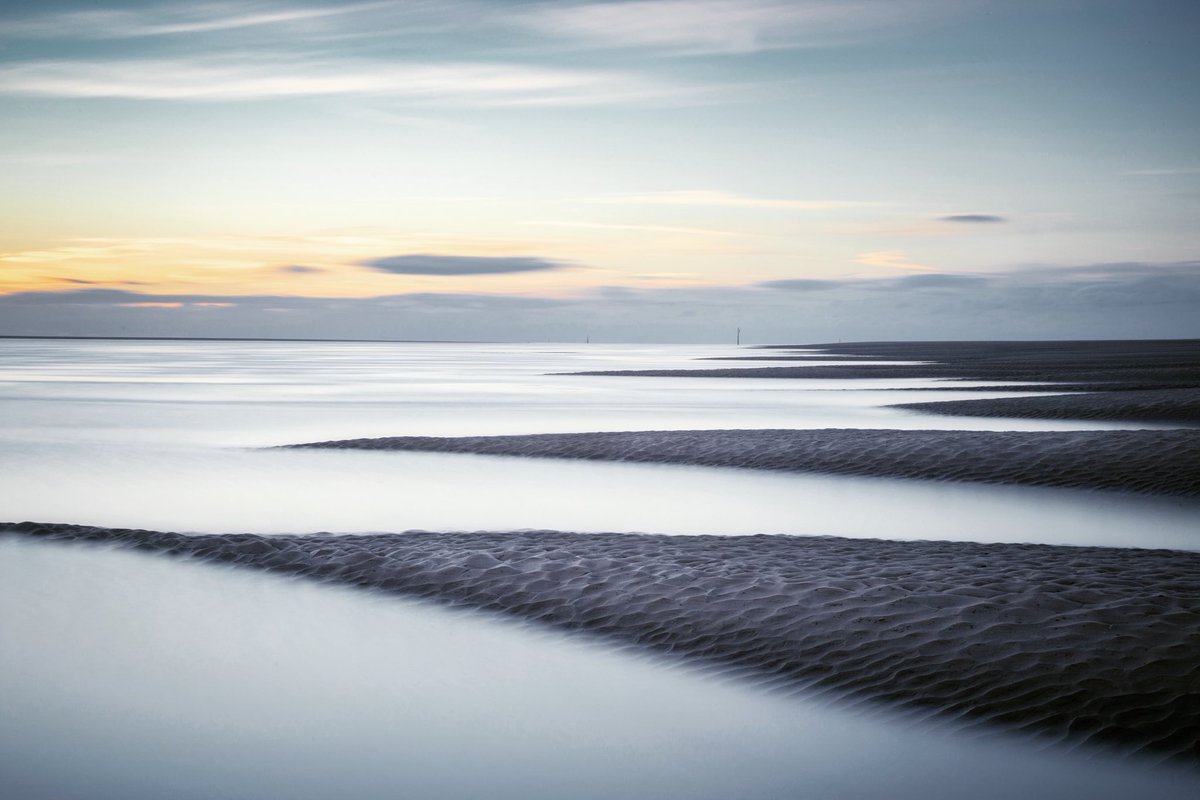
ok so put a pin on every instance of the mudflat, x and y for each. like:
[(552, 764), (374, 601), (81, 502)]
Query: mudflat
[(1163, 462), (1081, 644), (1132, 380)]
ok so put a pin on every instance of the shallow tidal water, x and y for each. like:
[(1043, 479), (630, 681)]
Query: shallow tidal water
[(169, 435), (134, 677), (152, 678)]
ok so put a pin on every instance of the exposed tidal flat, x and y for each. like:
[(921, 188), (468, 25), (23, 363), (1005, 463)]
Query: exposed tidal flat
[(1131, 381), (1081, 644), (1151, 462), (1091, 648), (127, 675)]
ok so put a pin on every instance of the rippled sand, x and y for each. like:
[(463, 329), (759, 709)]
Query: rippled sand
[(1152, 462), (1134, 381), (1079, 643), (1150, 405)]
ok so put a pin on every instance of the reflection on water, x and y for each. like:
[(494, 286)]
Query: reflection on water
[(299, 491), (254, 393), (129, 676), (155, 434)]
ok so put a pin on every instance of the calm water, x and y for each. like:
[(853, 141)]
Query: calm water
[(131, 677), (251, 394), (165, 435), (127, 676)]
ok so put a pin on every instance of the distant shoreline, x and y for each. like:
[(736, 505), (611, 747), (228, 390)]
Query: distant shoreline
[(245, 339), (829, 347), (1147, 380)]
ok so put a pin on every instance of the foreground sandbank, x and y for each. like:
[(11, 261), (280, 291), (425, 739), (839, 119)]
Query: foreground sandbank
[(1078, 643), (1151, 462), (151, 677)]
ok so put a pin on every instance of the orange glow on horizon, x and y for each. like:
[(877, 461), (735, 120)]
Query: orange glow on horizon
[(330, 264)]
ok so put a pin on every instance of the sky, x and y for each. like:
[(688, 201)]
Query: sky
[(642, 170)]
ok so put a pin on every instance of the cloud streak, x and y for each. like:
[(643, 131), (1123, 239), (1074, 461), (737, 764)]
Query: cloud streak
[(1123, 300), (892, 259), (637, 228), (801, 284), (715, 198), (1169, 171), (424, 264), (728, 27), (177, 19), (973, 219), (167, 50), (251, 78)]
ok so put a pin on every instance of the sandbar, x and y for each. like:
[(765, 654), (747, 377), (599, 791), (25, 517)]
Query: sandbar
[(1078, 644), (1162, 462)]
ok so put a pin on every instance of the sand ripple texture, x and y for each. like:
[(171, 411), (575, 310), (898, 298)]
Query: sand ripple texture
[(1158, 405), (1153, 462), (1079, 643), (1162, 378), (1126, 365)]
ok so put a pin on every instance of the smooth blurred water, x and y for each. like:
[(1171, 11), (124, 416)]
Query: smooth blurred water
[(128, 676), (265, 393), (133, 677), (346, 491), (165, 435)]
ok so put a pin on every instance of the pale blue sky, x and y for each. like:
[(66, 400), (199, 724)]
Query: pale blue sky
[(665, 147)]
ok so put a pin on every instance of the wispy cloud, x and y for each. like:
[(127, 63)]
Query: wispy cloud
[(311, 263), (638, 228), (168, 19), (252, 78), (1133, 300), (84, 249), (709, 197), (892, 259), (969, 219), (246, 51), (924, 280), (424, 264), (692, 27), (940, 281), (66, 159), (1165, 171), (801, 284)]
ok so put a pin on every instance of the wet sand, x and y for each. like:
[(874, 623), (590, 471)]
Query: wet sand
[(1149, 462), (1162, 377), (1079, 644), (1083, 645), (1153, 405)]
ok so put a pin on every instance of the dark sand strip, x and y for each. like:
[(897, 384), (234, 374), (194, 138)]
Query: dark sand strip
[(1126, 380), (834, 372), (1156, 405), (1145, 364), (1150, 462), (1081, 354), (793, 357), (1068, 361), (1078, 643), (1109, 368)]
